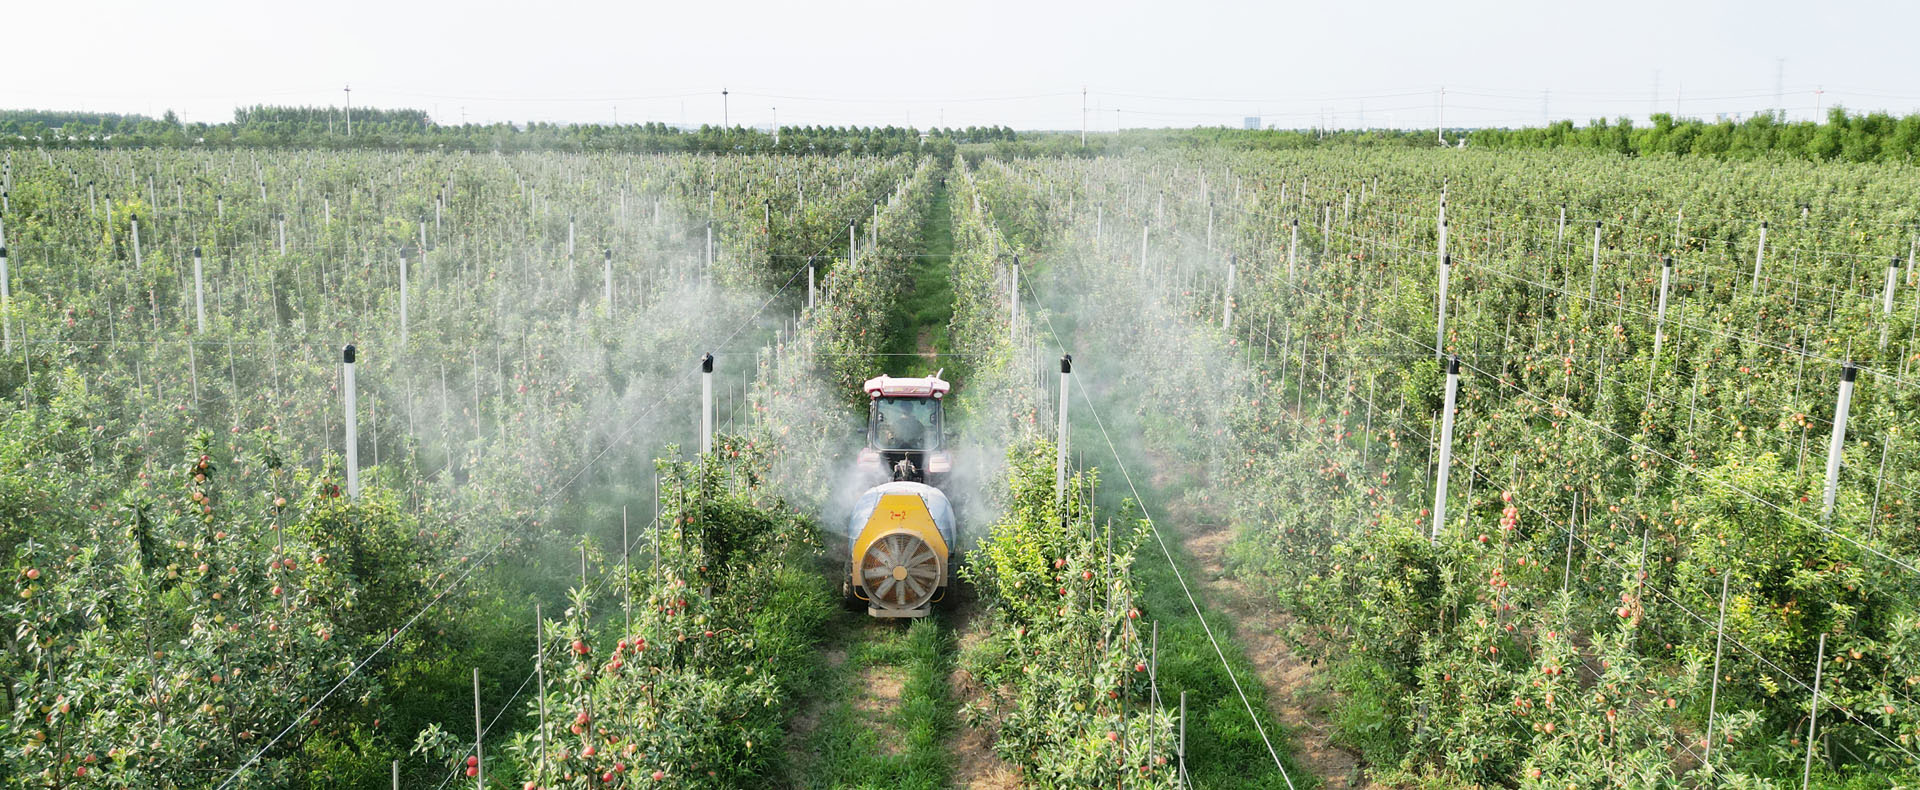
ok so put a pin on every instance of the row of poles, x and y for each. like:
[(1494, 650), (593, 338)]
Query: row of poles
[(1836, 442)]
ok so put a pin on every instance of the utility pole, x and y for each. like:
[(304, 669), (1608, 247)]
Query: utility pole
[(1440, 118), (1653, 105), (723, 109), (1083, 116), (776, 126), (349, 110), (1779, 89)]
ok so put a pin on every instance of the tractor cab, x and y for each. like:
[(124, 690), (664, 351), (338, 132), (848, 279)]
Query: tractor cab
[(906, 429)]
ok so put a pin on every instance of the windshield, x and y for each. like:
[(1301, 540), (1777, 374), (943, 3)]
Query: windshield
[(904, 424)]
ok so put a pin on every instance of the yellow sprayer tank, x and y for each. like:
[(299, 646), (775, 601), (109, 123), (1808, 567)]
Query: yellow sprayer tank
[(900, 535)]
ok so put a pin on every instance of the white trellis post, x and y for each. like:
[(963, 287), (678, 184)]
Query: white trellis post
[(1593, 275), (403, 299), (1446, 449), (1144, 229), (1226, 301), (6, 303), (353, 423), (1660, 318), (1839, 438), (1013, 301), (1440, 308), (1060, 454), (606, 274), (1759, 255), (1893, 275), (135, 219), (199, 295), (810, 289), (706, 404), (1293, 245)]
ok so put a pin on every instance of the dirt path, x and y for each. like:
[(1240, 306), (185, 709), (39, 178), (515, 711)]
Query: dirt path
[(975, 765), (1297, 694)]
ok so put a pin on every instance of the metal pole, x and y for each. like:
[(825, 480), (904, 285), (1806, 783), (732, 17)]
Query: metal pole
[(1713, 697), (706, 404), (1759, 255), (199, 295), (353, 425), (1813, 711), (1839, 438), (1060, 454), (1446, 448), (479, 765)]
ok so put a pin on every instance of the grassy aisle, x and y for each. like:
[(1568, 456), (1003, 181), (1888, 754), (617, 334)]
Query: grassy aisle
[(880, 713), (1224, 748), (920, 324)]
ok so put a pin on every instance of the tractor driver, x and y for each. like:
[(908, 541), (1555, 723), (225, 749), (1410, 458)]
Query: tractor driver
[(907, 431)]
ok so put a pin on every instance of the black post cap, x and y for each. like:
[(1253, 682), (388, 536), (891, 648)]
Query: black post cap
[(196, 252), (1447, 259), (3, 252), (1667, 261), (1453, 365), (1066, 363), (1763, 224), (706, 364), (1848, 373), (1296, 223), (1895, 263), (347, 354), (608, 253), (1596, 224)]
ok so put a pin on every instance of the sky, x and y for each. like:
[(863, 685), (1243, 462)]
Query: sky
[(987, 62)]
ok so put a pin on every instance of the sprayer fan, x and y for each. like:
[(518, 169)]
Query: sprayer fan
[(901, 571)]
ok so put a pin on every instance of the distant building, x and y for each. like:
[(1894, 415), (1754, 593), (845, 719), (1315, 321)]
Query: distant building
[(1251, 122)]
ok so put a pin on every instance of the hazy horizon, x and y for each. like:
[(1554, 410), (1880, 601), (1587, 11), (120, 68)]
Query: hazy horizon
[(1025, 66)]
